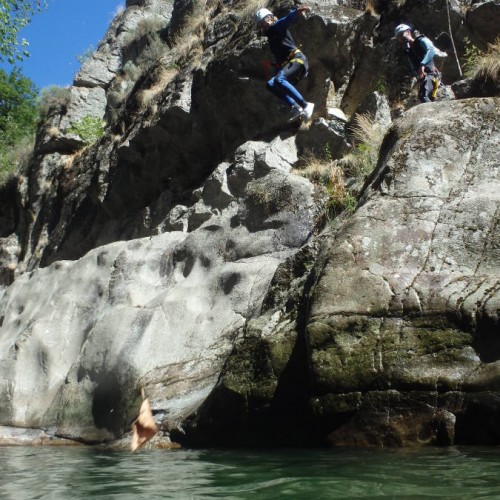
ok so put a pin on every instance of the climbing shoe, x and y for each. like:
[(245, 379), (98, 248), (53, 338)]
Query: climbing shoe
[(295, 114), (307, 112)]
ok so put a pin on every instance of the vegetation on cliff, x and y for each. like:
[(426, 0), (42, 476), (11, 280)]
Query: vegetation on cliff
[(18, 118)]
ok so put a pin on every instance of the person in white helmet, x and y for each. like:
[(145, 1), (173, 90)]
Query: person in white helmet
[(291, 63), (420, 51)]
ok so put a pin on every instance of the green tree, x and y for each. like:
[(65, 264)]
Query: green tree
[(18, 105), (18, 116), (14, 16)]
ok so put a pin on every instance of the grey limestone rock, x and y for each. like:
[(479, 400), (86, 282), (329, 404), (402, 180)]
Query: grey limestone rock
[(429, 279), (103, 65), (180, 251), (80, 337), (396, 341)]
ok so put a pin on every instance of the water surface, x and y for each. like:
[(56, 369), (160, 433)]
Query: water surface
[(65, 473)]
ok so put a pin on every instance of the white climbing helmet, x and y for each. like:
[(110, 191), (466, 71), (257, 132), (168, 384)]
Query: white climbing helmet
[(401, 28), (261, 14)]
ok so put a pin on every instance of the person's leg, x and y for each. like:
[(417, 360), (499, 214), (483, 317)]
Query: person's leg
[(426, 88), (282, 86), (278, 92), (291, 72)]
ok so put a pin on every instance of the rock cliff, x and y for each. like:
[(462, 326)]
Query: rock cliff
[(182, 247)]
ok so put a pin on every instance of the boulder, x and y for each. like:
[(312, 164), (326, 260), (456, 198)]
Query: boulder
[(425, 311), (482, 18), (393, 338), (80, 337)]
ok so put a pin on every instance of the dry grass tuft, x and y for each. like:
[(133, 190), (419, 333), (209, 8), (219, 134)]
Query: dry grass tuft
[(193, 28), (305, 125), (68, 160), (314, 168), (331, 174), (164, 77), (53, 132), (368, 137), (487, 64), (339, 197), (187, 44), (188, 48), (371, 7), (328, 175), (366, 130)]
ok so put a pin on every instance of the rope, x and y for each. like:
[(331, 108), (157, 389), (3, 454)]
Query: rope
[(451, 38)]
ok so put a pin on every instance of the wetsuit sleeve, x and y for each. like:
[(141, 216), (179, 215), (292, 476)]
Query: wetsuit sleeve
[(283, 23), (430, 51)]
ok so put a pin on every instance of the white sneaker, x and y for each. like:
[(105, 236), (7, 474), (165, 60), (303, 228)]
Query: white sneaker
[(295, 114), (307, 112)]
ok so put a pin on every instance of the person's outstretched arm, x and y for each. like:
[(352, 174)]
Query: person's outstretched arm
[(283, 23)]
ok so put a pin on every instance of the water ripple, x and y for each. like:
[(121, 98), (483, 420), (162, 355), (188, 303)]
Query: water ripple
[(74, 473)]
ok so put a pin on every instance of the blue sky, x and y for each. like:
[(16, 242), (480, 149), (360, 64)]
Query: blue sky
[(61, 33)]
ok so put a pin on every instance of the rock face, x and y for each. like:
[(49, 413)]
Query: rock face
[(419, 336), (181, 251), (397, 340), (162, 311)]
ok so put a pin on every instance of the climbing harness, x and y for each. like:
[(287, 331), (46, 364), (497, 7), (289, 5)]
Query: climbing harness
[(436, 83), (266, 64), (296, 56), (291, 58)]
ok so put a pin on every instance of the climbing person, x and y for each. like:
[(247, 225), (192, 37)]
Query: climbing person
[(291, 63), (421, 52)]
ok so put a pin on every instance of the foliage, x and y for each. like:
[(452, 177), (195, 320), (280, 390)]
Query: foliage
[(17, 102), (339, 198), (381, 85), (326, 173), (487, 64), (131, 71), (471, 56), (87, 54), (153, 52), (14, 16), (53, 97), (18, 117), (146, 27), (331, 174), (368, 135), (14, 157), (89, 128)]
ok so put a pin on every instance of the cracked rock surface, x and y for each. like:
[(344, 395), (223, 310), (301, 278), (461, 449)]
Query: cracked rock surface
[(395, 340), (180, 250)]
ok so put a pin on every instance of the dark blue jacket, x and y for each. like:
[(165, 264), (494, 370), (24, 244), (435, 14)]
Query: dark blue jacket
[(280, 40)]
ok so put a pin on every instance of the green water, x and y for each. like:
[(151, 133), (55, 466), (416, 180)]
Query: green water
[(65, 473)]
